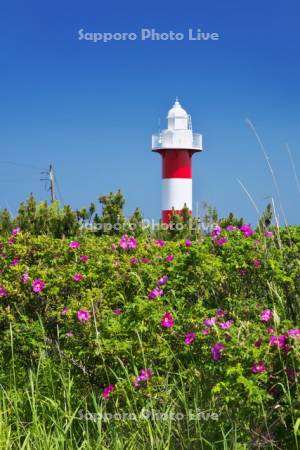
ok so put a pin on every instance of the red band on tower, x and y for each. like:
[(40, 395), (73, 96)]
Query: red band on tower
[(176, 163)]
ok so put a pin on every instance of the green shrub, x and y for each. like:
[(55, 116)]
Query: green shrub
[(215, 290)]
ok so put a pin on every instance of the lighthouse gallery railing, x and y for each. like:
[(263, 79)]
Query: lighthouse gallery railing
[(157, 141)]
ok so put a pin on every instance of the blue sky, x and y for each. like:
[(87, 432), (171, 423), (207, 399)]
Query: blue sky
[(90, 108)]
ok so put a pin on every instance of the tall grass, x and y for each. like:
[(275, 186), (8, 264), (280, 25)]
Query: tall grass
[(46, 408)]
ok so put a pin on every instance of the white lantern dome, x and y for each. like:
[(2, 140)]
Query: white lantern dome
[(177, 111)]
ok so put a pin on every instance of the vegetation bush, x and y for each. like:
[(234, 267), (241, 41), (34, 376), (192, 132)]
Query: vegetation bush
[(129, 325)]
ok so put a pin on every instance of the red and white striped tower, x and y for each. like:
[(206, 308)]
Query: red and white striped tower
[(176, 145)]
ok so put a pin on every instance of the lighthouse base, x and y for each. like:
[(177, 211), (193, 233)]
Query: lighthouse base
[(166, 215)]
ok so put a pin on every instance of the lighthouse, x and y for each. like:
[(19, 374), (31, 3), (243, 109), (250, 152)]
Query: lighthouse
[(177, 145)]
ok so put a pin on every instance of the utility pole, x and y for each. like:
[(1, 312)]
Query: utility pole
[(51, 179)]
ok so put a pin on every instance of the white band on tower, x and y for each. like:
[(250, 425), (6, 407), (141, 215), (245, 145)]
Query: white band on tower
[(176, 192)]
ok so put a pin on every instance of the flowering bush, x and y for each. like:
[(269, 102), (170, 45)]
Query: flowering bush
[(202, 311)]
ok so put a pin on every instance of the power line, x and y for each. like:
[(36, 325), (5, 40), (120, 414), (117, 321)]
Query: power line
[(11, 180), (50, 178), (29, 166), (58, 190)]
